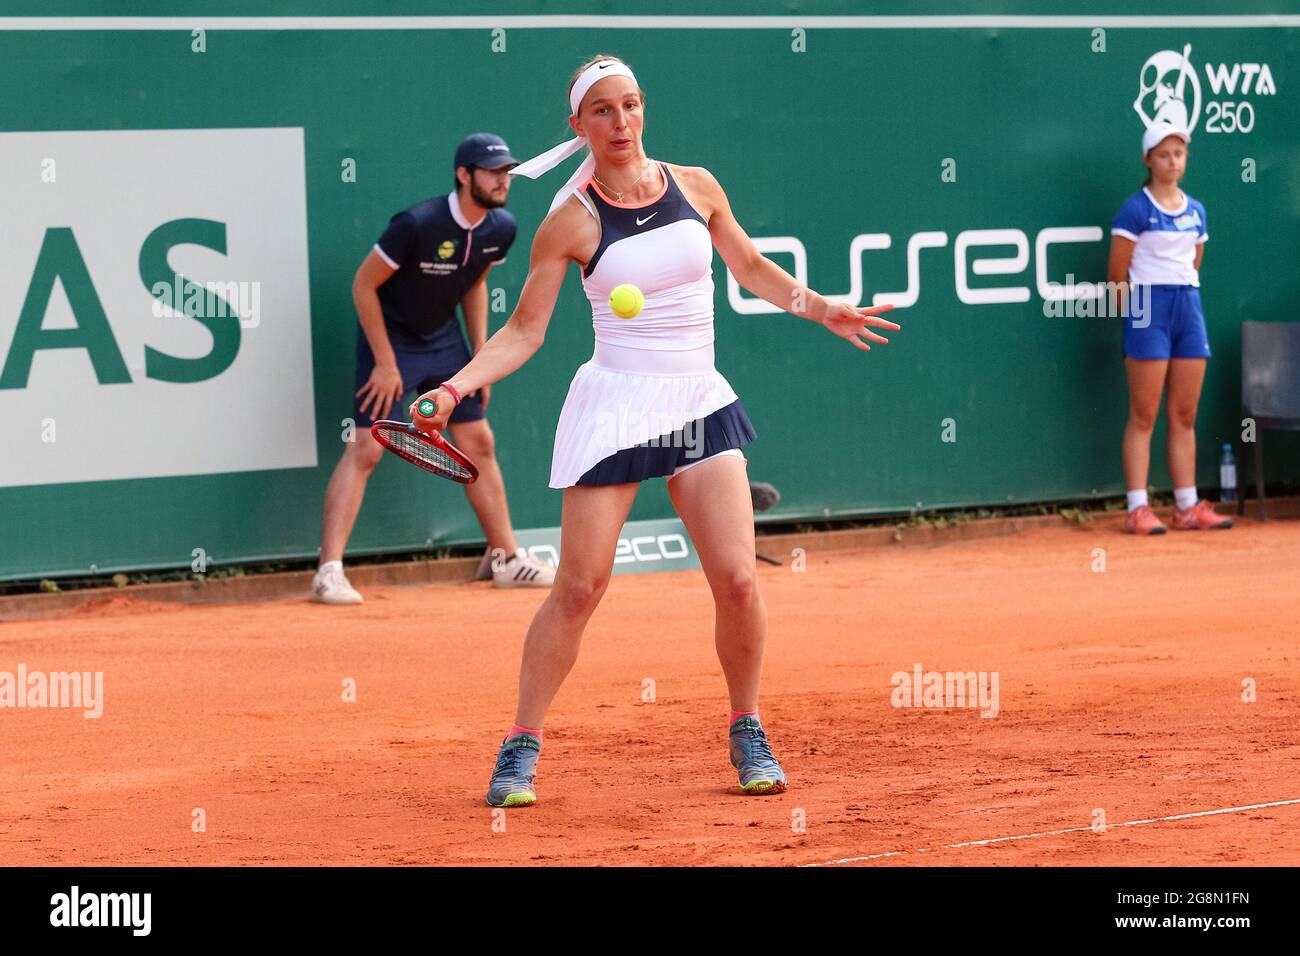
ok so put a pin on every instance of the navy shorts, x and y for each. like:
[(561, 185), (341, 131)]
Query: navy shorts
[(1164, 322), (423, 368)]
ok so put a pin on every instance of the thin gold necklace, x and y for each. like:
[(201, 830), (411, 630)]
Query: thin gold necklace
[(618, 196)]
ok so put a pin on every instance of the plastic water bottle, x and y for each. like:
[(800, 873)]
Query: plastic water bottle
[(1227, 475)]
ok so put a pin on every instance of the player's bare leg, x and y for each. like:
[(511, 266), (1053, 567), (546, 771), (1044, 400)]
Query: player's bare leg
[(713, 501), (589, 528)]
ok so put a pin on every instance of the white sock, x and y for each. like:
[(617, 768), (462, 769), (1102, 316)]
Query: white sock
[(1184, 498), (326, 565), (1137, 499)]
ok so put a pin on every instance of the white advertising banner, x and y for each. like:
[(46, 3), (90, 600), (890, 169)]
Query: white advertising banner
[(154, 310)]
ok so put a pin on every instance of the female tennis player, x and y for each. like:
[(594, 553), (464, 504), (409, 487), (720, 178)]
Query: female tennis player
[(649, 403), (1157, 243)]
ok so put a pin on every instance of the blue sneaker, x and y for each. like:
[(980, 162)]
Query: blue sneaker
[(512, 778), (752, 756)]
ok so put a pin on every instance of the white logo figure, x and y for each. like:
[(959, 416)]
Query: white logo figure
[(642, 222), (1163, 85)]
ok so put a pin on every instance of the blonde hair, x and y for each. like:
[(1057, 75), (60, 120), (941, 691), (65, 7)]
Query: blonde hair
[(599, 58)]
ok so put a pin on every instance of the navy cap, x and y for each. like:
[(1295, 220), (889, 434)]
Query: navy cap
[(486, 150)]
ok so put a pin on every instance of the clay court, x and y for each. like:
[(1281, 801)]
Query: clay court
[(1119, 690)]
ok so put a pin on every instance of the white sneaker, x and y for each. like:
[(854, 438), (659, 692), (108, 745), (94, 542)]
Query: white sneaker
[(521, 571), (331, 586)]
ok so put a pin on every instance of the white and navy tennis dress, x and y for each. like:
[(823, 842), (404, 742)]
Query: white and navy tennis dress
[(649, 402), (1164, 318)]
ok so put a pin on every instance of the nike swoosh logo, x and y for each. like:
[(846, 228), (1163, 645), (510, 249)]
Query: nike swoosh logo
[(604, 66), (642, 222)]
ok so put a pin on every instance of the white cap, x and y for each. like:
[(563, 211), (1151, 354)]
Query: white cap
[(1159, 131)]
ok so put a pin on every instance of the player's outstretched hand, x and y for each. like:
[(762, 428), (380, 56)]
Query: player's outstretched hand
[(853, 323), (443, 406)]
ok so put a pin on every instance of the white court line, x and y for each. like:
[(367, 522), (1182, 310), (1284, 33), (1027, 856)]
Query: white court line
[(1048, 833), (596, 22)]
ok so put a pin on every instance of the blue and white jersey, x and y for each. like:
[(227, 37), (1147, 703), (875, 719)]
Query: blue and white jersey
[(1166, 239)]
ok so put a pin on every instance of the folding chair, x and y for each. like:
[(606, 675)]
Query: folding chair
[(1270, 389)]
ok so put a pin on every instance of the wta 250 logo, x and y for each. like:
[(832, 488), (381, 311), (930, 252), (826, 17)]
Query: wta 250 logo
[(1169, 92)]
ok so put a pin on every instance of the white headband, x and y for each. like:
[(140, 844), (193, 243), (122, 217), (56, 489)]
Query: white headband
[(548, 160)]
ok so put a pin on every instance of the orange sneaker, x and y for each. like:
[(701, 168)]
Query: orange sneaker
[(1200, 516), (1144, 521)]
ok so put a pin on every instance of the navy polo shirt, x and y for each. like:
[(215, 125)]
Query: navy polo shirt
[(439, 256)]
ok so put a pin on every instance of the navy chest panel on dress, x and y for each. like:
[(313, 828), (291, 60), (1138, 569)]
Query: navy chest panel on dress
[(619, 223)]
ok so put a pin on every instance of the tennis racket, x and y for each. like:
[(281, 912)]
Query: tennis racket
[(433, 453)]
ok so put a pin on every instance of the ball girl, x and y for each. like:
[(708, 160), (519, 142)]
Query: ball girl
[(1157, 243)]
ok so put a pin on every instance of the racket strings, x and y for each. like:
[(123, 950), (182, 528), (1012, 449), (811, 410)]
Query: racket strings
[(425, 454)]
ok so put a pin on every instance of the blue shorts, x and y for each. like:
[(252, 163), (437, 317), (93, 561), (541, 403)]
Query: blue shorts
[(1164, 322), (423, 368)]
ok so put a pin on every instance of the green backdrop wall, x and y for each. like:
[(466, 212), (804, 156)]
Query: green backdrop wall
[(849, 137)]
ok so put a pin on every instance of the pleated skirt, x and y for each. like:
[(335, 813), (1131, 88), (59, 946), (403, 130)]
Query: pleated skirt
[(620, 425)]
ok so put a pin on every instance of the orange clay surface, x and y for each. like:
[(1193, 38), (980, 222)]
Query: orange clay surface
[(1119, 691)]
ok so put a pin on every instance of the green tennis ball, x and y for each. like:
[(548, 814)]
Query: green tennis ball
[(626, 301), (427, 408)]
